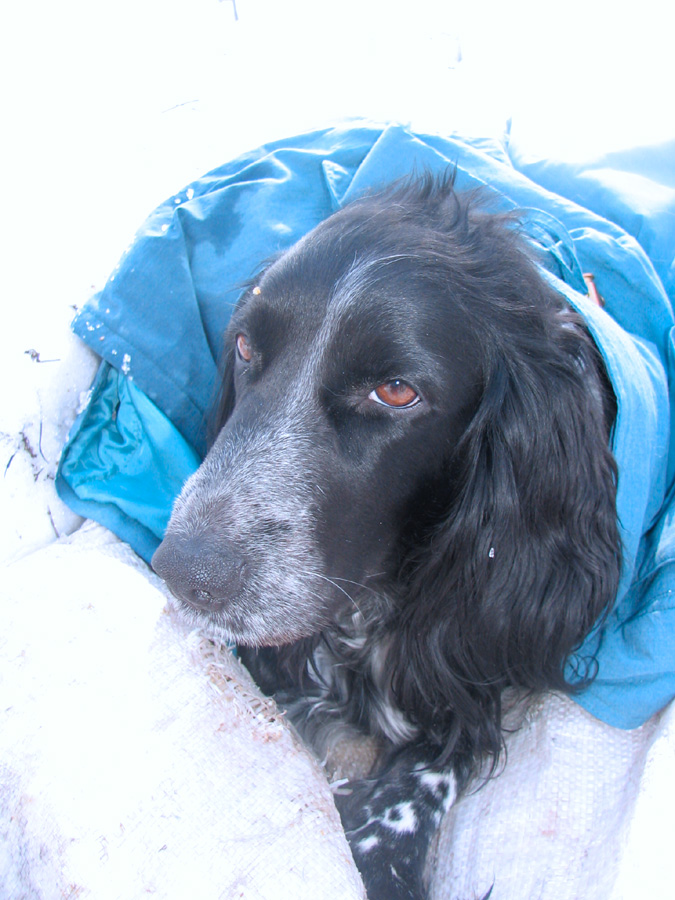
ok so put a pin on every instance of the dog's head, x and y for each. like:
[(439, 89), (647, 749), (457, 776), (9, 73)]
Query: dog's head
[(408, 409)]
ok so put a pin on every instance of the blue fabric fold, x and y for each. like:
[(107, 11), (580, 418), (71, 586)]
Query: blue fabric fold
[(123, 462), (158, 326)]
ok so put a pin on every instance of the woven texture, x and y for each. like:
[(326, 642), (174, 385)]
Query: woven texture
[(137, 760), (554, 823)]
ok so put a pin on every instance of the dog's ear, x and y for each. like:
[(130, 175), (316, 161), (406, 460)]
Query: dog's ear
[(225, 396), (528, 556)]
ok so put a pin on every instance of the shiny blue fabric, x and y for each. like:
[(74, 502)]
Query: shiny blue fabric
[(158, 325)]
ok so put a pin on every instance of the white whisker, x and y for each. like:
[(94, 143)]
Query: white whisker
[(336, 585)]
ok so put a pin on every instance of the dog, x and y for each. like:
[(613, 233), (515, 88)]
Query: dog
[(408, 510)]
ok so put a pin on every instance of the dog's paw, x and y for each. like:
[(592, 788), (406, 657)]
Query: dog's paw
[(389, 821)]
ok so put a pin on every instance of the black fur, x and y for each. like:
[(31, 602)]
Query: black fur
[(404, 567)]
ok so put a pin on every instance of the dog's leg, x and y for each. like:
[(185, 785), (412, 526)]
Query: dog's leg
[(390, 819)]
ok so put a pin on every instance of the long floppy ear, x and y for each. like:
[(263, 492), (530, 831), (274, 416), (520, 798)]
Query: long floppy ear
[(528, 557)]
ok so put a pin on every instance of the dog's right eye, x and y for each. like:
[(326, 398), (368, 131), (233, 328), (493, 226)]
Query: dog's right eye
[(395, 394), (244, 348)]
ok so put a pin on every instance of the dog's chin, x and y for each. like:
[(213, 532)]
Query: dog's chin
[(250, 630)]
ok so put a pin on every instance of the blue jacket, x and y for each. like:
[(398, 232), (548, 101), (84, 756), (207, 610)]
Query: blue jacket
[(158, 324)]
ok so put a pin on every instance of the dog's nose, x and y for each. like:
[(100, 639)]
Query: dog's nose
[(202, 576)]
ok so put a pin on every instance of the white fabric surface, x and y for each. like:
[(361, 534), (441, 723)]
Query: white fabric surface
[(569, 815), (137, 759)]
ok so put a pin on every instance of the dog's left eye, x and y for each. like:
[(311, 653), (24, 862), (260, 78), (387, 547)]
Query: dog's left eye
[(396, 394), (244, 348)]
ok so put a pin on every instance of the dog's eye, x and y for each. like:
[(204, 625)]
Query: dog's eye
[(244, 347), (397, 394)]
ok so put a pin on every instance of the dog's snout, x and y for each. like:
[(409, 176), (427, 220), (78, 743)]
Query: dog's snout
[(198, 575)]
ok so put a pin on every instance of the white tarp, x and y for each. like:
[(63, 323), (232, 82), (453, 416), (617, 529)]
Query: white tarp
[(137, 759)]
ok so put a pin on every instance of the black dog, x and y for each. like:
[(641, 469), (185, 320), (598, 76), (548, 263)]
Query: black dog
[(410, 498)]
